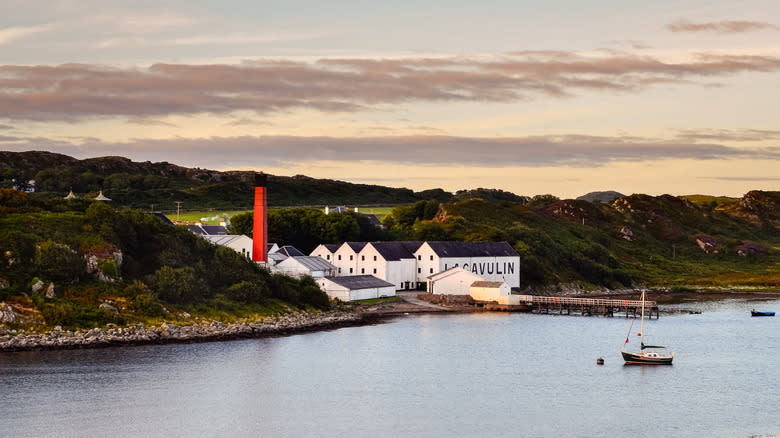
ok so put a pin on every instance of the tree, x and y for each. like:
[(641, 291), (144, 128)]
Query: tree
[(58, 262)]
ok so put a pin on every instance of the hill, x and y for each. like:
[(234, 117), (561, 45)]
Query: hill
[(607, 196), (141, 184)]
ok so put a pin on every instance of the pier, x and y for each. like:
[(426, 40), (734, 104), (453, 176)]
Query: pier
[(581, 306)]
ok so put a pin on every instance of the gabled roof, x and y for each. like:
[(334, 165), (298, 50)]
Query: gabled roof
[(359, 281), (473, 249), (162, 217), (331, 247), (102, 197), (396, 250), (487, 283), (290, 251), (356, 246), (373, 220), (452, 271), (312, 263)]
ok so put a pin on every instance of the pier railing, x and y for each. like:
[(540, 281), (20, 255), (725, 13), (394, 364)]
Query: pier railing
[(584, 306), (533, 299)]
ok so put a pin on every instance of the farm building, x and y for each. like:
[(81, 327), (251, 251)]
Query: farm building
[(391, 261), (453, 281), (493, 261), (300, 266), (356, 287)]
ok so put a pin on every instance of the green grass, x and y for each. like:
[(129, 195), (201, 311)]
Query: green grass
[(213, 216), (377, 300)]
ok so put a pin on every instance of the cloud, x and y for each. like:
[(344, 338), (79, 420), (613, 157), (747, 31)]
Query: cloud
[(727, 135), (13, 33), (728, 26), (247, 122), (4, 127), (285, 151), (149, 122), (70, 92), (738, 178)]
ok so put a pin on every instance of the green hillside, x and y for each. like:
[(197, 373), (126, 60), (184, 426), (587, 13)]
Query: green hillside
[(141, 185)]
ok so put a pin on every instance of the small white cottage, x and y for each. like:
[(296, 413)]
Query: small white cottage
[(453, 281), (497, 291), (356, 287)]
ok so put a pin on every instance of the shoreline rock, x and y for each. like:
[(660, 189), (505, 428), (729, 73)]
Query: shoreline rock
[(166, 333)]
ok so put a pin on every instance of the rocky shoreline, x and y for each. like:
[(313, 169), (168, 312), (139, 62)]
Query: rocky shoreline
[(58, 339)]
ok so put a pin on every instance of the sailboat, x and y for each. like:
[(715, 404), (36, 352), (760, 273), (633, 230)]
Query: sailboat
[(648, 354)]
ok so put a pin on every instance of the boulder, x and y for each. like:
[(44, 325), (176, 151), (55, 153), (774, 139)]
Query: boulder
[(50, 291), (109, 307), (7, 313), (37, 286)]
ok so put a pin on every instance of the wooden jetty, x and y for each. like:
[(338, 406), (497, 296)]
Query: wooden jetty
[(582, 306)]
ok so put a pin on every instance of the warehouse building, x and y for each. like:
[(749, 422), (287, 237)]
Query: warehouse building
[(356, 287), (393, 262), (453, 281), (493, 261)]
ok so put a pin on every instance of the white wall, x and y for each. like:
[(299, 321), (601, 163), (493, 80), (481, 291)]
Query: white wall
[(322, 251), (348, 260), (457, 283), (397, 272), (490, 293)]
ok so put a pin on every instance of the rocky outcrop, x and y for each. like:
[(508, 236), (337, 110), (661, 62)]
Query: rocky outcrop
[(708, 244), (7, 314), (12, 340), (747, 248)]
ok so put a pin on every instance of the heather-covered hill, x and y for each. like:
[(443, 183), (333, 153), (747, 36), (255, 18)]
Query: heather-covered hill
[(140, 184)]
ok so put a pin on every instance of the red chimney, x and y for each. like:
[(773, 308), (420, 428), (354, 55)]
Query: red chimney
[(260, 228)]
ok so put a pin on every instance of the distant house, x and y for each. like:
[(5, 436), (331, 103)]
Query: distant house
[(70, 195), (239, 243), (356, 287), (299, 266), (102, 197), (453, 281)]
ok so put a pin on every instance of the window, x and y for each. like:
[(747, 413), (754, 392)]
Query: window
[(362, 258), (431, 256), (339, 256), (374, 258), (419, 257), (339, 270), (419, 270), (350, 257), (362, 270), (431, 270), (374, 270), (327, 257), (350, 270)]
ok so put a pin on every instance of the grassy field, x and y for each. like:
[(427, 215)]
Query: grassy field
[(212, 217)]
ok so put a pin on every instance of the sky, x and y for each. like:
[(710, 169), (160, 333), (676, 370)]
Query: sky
[(560, 97)]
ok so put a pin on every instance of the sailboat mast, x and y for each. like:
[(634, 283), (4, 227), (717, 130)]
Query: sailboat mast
[(642, 325)]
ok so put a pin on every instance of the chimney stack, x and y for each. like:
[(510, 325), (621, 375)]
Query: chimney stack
[(260, 223)]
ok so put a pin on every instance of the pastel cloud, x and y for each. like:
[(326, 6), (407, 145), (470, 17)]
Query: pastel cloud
[(71, 92), (10, 34), (726, 26), (281, 151)]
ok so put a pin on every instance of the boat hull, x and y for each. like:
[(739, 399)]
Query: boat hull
[(754, 313), (646, 358)]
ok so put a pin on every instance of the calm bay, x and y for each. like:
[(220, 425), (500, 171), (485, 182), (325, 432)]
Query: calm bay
[(484, 374)]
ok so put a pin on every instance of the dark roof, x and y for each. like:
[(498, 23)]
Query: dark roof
[(359, 281), (356, 246), (313, 263), (211, 230), (373, 220), (290, 251), (473, 249), (396, 250), (160, 216), (332, 247)]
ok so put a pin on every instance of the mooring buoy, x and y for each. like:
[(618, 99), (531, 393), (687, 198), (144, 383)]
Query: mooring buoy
[(600, 361)]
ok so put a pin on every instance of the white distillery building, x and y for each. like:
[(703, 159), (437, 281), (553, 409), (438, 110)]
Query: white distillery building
[(497, 291), (325, 251), (393, 262), (345, 258), (453, 281), (300, 266), (237, 242), (493, 261), (356, 287)]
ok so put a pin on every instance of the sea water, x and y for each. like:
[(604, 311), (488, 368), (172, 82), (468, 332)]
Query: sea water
[(485, 374)]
